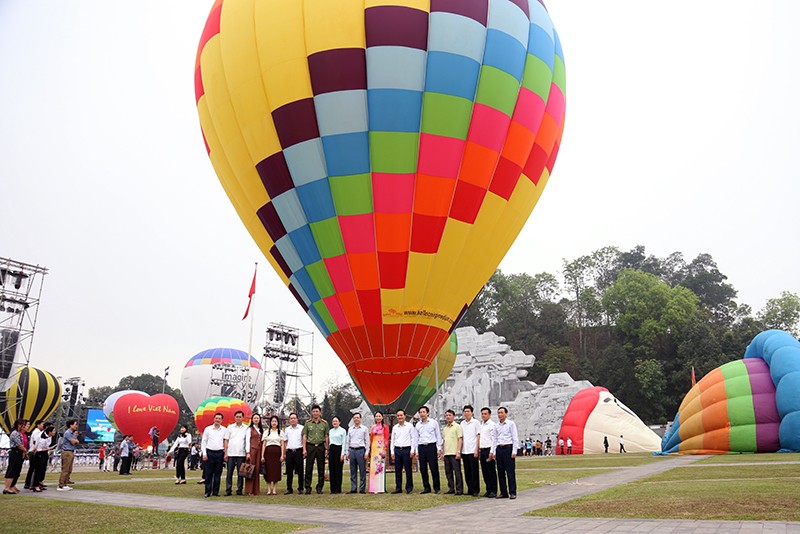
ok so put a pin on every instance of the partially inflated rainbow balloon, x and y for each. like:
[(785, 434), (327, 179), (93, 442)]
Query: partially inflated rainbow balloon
[(749, 405), (227, 406), (384, 155)]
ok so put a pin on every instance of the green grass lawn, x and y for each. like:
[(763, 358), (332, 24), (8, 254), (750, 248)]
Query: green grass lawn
[(738, 458), (79, 476), (42, 515), (725, 472), (526, 479), (735, 492), (588, 460)]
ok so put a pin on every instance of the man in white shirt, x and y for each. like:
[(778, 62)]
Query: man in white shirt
[(213, 449), (403, 446), (470, 451), (237, 447), (357, 443), (486, 443), (569, 444), (506, 445), (294, 455), (621, 444), (429, 449), (35, 435)]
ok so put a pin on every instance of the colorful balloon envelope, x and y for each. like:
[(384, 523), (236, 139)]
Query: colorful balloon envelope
[(383, 155), (227, 406), (593, 414), (34, 394), (749, 405), (222, 373)]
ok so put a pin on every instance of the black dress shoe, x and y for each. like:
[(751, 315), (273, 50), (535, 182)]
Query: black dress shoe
[(491, 495), (459, 493), (436, 492), (449, 492), (207, 495), (288, 492), (409, 491), (502, 496), (351, 492), (319, 492), (228, 494), (238, 493), (308, 491), (423, 492), (476, 494), (362, 492), (512, 496), (395, 492)]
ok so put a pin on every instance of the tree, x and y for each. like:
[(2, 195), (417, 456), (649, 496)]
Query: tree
[(482, 313), (649, 374), (637, 259), (782, 313), (705, 280), (100, 394), (647, 311), (525, 311), (576, 279), (339, 399)]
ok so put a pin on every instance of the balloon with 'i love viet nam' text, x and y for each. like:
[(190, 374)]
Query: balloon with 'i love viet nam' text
[(137, 413)]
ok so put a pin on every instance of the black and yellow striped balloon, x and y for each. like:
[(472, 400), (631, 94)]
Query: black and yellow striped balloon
[(34, 395)]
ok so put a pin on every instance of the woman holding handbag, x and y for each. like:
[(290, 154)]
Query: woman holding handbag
[(274, 448), (252, 485)]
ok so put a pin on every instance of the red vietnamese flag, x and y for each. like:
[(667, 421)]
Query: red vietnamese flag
[(250, 294)]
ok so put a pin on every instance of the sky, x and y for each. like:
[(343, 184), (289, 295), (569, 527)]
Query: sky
[(683, 123)]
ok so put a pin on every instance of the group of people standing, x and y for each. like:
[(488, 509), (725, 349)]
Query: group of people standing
[(37, 447), (251, 451), (485, 446)]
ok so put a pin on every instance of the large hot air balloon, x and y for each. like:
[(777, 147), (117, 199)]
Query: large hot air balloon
[(594, 413), (749, 405), (227, 406), (222, 372), (34, 394), (108, 404), (383, 156)]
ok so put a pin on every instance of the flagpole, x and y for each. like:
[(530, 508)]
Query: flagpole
[(252, 316)]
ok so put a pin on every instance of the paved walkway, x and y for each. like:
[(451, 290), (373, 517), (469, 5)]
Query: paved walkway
[(503, 516)]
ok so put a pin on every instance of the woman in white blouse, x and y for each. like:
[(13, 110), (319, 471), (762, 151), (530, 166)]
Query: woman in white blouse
[(274, 452), (180, 451)]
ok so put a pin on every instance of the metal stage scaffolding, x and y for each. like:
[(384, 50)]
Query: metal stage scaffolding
[(289, 367), (20, 293)]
